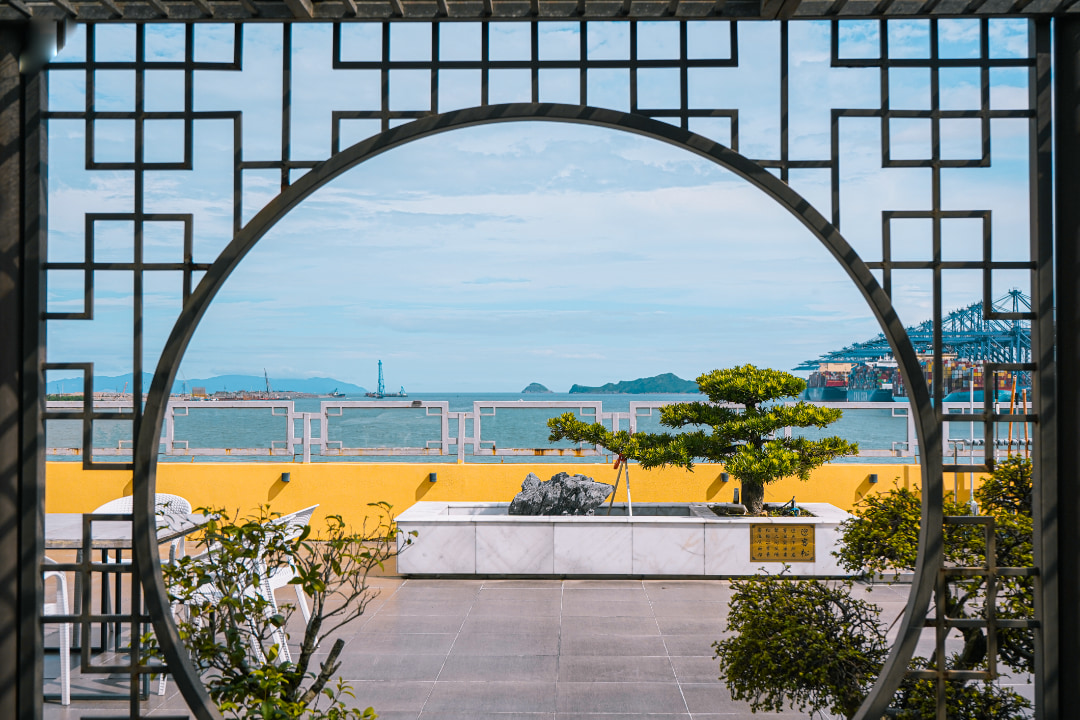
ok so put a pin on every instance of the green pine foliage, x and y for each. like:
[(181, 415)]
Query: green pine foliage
[(747, 441)]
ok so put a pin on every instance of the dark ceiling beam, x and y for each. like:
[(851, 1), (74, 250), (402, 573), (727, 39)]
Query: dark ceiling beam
[(779, 9), (327, 10), (67, 7), (301, 9)]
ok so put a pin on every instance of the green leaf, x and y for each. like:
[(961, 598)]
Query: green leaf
[(224, 619)]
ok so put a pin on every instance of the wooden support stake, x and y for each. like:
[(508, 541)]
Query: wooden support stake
[(619, 464)]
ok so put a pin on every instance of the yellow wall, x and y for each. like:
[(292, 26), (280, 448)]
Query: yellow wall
[(346, 488)]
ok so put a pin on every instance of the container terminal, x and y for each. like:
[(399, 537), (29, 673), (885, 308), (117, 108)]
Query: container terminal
[(868, 372)]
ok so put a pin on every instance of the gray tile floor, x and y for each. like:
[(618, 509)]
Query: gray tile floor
[(532, 650)]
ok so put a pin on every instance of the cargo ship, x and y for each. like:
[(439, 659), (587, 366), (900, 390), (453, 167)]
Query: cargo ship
[(880, 381), (852, 382)]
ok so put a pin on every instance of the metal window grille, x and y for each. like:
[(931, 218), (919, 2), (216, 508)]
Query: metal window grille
[(145, 138)]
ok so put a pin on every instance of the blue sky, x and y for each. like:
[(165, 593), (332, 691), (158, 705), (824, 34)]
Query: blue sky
[(489, 258)]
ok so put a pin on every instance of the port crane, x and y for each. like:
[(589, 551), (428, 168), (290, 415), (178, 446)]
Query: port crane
[(964, 332)]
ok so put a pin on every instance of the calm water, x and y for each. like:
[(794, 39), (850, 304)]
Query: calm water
[(517, 427)]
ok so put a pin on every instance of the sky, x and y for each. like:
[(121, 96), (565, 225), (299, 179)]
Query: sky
[(486, 259)]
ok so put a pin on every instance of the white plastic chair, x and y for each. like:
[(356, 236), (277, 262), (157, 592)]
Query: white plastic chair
[(211, 595), (164, 504), (270, 579), (278, 577), (59, 606), (274, 578)]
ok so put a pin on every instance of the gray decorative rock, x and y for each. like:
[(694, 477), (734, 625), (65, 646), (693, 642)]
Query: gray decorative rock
[(563, 494)]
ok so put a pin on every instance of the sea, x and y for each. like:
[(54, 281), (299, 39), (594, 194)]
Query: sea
[(365, 425)]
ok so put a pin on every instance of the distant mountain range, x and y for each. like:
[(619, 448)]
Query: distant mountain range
[(255, 383), (666, 383)]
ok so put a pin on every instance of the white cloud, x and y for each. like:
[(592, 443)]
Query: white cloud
[(484, 259)]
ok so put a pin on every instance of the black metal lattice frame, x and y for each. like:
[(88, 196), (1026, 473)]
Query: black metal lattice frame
[(652, 122)]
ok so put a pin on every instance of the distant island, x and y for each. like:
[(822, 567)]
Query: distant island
[(535, 388), (666, 383)]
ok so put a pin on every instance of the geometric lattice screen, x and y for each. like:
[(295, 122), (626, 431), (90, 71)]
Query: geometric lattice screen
[(166, 139)]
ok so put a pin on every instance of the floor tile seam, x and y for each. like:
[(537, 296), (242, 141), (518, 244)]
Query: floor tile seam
[(368, 618), (558, 644), (375, 614), (449, 650), (667, 652)]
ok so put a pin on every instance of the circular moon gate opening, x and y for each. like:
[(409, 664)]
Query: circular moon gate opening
[(146, 446)]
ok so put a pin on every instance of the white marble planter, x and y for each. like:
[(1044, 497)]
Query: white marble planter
[(660, 540)]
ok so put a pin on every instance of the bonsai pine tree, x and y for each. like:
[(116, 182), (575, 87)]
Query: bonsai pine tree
[(744, 440)]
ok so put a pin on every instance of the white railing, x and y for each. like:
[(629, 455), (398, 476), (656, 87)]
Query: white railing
[(306, 434)]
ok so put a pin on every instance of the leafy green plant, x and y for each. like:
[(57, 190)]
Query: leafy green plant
[(745, 440), (236, 635), (980, 700), (804, 643), (793, 643), (882, 537)]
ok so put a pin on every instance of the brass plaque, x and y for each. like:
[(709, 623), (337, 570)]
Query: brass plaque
[(781, 542)]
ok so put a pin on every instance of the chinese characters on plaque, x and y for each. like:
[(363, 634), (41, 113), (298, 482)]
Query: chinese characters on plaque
[(781, 542)]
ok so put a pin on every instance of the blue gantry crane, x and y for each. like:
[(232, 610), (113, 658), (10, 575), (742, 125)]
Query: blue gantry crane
[(966, 332)]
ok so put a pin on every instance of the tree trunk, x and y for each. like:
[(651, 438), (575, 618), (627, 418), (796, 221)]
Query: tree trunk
[(753, 497)]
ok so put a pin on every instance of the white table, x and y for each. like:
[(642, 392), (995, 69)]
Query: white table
[(64, 531)]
